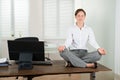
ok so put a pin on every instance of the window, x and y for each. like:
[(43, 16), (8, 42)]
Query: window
[(58, 16), (14, 18)]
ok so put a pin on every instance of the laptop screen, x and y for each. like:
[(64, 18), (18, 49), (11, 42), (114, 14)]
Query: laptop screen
[(34, 47)]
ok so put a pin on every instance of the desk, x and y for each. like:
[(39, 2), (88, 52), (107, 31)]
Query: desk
[(57, 68)]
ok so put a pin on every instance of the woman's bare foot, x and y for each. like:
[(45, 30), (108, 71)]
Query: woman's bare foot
[(91, 65)]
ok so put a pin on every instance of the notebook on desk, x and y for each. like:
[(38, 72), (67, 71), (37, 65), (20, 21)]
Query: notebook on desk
[(4, 62)]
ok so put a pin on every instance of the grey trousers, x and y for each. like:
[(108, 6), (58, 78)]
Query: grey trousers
[(80, 57)]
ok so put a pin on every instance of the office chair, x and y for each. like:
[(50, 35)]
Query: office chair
[(27, 39)]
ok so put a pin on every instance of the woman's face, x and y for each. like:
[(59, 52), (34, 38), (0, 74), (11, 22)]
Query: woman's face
[(80, 17)]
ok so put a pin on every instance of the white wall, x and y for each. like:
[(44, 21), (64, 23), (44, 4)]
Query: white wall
[(4, 47), (117, 39)]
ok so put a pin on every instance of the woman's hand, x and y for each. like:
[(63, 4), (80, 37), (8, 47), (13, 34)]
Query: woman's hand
[(101, 51), (61, 48)]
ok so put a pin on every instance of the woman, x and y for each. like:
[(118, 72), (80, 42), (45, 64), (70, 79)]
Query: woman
[(74, 51)]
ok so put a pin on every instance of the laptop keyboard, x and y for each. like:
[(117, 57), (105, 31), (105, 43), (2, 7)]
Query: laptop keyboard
[(42, 63)]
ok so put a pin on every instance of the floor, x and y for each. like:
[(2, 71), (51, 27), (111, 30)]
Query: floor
[(106, 75), (99, 76)]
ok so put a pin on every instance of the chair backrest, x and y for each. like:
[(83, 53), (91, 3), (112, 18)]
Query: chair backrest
[(27, 39)]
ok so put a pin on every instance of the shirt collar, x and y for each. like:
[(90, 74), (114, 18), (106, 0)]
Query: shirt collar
[(82, 27)]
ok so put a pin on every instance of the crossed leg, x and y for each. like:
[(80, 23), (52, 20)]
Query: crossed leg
[(80, 62)]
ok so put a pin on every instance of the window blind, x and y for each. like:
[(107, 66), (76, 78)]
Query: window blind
[(5, 18), (14, 18), (58, 16), (21, 15)]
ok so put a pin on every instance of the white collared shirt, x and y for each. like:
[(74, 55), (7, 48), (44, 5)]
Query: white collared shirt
[(78, 38)]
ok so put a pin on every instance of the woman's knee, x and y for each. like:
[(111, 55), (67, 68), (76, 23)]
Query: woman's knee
[(64, 52), (98, 56)]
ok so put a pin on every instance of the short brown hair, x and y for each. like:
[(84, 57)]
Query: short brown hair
[(78, 10)]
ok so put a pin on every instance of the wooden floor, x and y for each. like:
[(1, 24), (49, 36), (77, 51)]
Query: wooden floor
[(99, 76), (106, 75)]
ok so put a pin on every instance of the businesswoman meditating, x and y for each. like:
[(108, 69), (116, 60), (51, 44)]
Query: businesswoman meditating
[(74, 51)]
